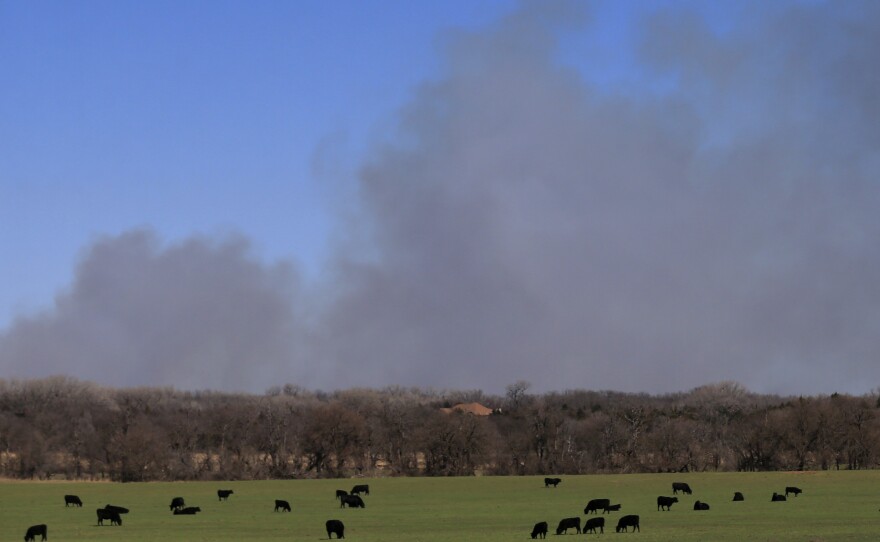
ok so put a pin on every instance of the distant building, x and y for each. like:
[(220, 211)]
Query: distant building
[(471, 408)]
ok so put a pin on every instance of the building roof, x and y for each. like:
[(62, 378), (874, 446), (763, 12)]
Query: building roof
[(471, 408)]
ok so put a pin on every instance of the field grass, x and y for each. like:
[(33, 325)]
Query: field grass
[(835, 506)]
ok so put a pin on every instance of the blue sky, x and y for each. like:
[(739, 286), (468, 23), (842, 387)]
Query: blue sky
[(194, 117), (209, 117), (621, 195)]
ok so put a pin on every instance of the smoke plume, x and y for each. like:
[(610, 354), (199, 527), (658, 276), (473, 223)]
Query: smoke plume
[(201, 314), (525, 224), (529, 225)]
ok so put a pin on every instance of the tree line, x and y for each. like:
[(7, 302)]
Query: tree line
[(60, 427)]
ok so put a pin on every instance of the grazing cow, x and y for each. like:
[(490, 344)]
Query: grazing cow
[(777, 497), (611, 508), (569, 523), (223, 494), (353, 501), (117, 509), (112, 515), (665, 502), (738, 496), (701, 506), (594, 523), (341, 493), (628, 521), (681, 486), (539, 530), (72, 500), (552, 482), (793, 490), (284, 506), (357, 490), (37, 530), (335, 526), (176, 504), (188, 511), (596, 504)]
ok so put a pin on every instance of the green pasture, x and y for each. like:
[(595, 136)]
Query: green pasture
[(835, 506)]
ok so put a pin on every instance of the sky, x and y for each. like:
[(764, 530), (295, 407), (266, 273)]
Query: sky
[(637, 196)]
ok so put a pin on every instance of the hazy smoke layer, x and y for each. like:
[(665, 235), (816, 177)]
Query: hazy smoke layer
[(196, 315), (531, 227), (526, 225)]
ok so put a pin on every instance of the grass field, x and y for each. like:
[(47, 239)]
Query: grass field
[(835, 506)]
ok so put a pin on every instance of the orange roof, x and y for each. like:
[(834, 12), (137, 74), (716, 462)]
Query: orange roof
[(471, 408)]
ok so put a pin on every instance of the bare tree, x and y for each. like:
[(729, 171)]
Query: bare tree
[(454, 443), (330, 435)]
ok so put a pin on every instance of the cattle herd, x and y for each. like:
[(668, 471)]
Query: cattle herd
[(113, 514), (597, 524)]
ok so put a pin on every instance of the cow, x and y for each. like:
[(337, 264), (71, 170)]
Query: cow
[(594, 523), (284, 506), (188, 511), (353, 501), (357, 490), (176, 504), (112, 515), (611, 508), (223, 494), (335, 526), (341, 493), (793, 490), (681, 486), (628, 521), (117, 509), (552, 482), (701, 505), (72, 500), (34, 531), (665, 502), (777, 497), (539, 530), (737, 496), (569, 523), (596, 504)]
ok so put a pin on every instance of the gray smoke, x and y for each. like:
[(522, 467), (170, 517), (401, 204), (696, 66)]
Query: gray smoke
[(195, 315), (530, 226), (525, 224)]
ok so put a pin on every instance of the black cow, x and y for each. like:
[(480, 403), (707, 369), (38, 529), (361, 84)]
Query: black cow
[(117, 509), (552, 482), (738, 496), (176, 504), (793, 490), (594, 523), (223, 494), (539, 530), (569, 523), (611, 508), (777, 497), (596, 504), (72, 500), (357, 490), (112, 515), (284, 506), (335, 526), (341, 493), (188, 511), (35, 530), (628, 521), (701, 505), (681, 486), (353, 501), (665, 502)]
